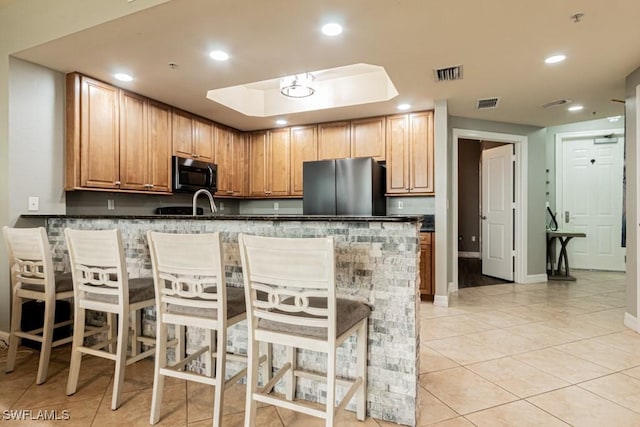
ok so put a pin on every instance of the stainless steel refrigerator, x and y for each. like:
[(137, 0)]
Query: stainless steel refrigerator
[(344, 187)]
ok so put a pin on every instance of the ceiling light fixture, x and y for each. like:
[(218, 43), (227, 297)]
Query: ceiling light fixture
[(123, 77), (219, 55), (332, 29), (281, 122), (403, 107), (297, 86), (575, 108), (555, 59)]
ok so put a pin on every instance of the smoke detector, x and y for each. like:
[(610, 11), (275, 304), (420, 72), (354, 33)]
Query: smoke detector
[(487, 103)]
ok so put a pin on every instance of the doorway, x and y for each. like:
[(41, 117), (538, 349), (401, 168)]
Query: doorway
[(485, 212), (589, 175), (519, 245)]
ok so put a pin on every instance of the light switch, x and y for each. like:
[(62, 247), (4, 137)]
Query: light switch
[(34, 203), (276, 206), (111, 205)]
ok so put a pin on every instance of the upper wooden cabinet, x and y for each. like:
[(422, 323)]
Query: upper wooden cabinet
[(116, 140), (93, 148), (230, 158), (410, 153), (269, 163), (304, 148), (355, 138), (368, 138), (192, 136)]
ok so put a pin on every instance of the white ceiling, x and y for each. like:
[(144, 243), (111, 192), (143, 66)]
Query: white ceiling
[(501, 44)]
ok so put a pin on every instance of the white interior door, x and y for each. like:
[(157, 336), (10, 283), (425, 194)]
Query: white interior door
[(497, 212), (592, 202)]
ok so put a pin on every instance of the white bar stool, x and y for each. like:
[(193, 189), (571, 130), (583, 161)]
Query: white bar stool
[(291, 301), (101, 283), (33, 279), (191, 292)]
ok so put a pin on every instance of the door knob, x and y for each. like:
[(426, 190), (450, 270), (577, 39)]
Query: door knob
[(483, 217)]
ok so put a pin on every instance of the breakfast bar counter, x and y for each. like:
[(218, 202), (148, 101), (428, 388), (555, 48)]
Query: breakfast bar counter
[(377, 261)]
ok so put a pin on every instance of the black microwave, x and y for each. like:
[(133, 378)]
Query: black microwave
[(191, 175)]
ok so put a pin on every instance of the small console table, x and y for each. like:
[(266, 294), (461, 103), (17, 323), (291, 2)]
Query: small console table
[(556, 271)]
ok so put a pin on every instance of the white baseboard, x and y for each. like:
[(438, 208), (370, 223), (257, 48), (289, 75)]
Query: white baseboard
[(441, 301), (631, 322), (535, 278), (469, 255)]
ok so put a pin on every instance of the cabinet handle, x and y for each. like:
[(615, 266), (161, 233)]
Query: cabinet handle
[(117, 183), (229, 192), (194, 156)]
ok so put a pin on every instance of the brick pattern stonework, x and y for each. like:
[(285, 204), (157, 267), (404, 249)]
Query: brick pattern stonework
[(377, 262)]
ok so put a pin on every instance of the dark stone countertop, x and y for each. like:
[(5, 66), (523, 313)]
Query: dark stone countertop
[(347, 218)]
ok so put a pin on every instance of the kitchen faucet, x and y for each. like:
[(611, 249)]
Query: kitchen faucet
[(209, 195)]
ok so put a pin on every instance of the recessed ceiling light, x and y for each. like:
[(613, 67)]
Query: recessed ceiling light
[(404, 106), (331, 29), (555, 59), (123, 77), (281, 122), (575, 108), (219, 55)]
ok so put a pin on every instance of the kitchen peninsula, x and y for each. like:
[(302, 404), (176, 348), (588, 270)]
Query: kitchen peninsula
[(377, 261)]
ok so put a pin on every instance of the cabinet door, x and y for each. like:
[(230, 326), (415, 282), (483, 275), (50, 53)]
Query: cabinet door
[(134, 153), (397, 154), (257, 164), (224, 160), (159, 146), (421, 152), (368, 138), (426, 264), (334, 140), (203, 140), (240, 157), (182, 133), (279, 164), (99, 140), (304, 148)]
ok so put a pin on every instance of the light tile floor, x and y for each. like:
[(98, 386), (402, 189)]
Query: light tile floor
[(548, 354)]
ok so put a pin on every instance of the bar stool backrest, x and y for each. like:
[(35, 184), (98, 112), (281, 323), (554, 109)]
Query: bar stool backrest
[(290, 281), (98, 266), (30, 261)]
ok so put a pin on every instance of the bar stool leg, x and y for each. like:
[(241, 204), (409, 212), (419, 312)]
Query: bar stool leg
[(160, 362), (121, 358), (252, 383), (221, 360), (331, 388), (290, 378), (47, 338), (76, 355), (16, 316), (361, 370)]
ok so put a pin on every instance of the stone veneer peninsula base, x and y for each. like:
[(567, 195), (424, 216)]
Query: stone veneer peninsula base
[(377, 261)]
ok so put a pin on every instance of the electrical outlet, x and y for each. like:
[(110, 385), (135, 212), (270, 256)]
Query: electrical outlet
[(34, 203), (111, 204), (221, 206), (400, 204), (276, 206)]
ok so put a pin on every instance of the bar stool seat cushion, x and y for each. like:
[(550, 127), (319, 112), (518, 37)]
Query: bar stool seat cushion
[(64, 283), (235, 306), (348, 314), (140, 289)]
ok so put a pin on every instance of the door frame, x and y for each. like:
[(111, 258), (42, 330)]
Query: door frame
[(559, 167), (520, 186)]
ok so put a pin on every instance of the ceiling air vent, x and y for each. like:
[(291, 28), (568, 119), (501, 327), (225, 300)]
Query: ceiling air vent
[(487, 103), (449, 73), (556, 103)]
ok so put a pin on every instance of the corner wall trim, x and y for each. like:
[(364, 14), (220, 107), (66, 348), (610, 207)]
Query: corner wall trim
[(631, 322), (441, 301)]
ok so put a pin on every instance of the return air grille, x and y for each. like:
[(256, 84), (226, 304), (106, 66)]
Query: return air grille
[(449, 73), (487, 103)]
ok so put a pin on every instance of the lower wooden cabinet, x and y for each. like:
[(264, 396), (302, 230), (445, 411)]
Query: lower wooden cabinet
[(427, 266)]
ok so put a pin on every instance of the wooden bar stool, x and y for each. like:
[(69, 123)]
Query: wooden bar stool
[(33, 279), (291, 301), (191, 292), (101, 283)]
